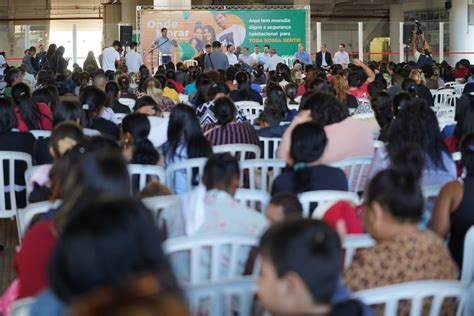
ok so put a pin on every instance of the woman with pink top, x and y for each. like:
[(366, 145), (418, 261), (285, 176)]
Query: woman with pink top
[(347, 137)]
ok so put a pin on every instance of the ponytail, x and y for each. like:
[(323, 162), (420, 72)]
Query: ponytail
[(28, 109)]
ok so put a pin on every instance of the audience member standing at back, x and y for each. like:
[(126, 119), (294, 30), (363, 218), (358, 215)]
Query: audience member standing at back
[(111, 57), (30, 60), (216, 60), (133, 59)]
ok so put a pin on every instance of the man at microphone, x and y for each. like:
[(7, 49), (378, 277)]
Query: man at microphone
[(164, 44)]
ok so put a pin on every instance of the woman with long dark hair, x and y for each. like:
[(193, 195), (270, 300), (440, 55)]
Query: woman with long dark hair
[(244, 91), (136, 147), (59, 64), (30, 115), (308, 173), (185, 140), (95, 100), (113, 93), (417, 123), (276, 101)]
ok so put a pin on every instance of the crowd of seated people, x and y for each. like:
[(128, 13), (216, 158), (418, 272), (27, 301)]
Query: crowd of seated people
[(98, 242)]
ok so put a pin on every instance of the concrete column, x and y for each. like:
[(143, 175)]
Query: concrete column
[(129, 12), (396, 16), (461, 35)]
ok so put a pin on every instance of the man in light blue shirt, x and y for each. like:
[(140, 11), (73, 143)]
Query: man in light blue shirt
[(303, 56), (164, 44), (265, 55), (246, 59)]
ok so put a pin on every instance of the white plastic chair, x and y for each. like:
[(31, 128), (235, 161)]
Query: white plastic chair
[(190, 62), (270, 146), (250, 198), (40, 133), (212, 245), (10, 158), (378, 144), (251, 109), (324, 196), (25, 216), (157, 203), (187, 166), (120, 117), (183, 98), (233, 297), (415, 292), (441, 97), (445, 121), (22, 307), (350, 244), (238, 150), (458, 88), (128, 102), (143, 171), (445, 111), (450, 84), (356, 169), (261, 172)]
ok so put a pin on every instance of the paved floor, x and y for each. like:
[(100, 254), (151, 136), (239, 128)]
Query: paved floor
[(9, 240)]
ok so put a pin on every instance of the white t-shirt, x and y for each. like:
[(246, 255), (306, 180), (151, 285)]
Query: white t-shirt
[(133, 60), (233, 35), (109, 56), (158, 130)]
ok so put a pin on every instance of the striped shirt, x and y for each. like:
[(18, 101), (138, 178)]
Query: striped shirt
[(232, 133)]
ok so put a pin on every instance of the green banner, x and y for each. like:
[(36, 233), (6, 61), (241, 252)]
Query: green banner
[(192, 30)]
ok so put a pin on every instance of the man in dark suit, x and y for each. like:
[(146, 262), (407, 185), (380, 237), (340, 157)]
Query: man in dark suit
[(323, 58)]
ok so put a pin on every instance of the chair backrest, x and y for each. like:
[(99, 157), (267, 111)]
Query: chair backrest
[(458, 88), (144, 171), (324, 196), (22, 307), (251, 109), (157, 203), (350, 244), (25, 216), (28, 175), (255, 199), (440, 97), (445, 121), (233, 297), (40, 133), (260, 173), (238, 150), (356, 170), (10, 159), (415, 292), (213, 245), (270, 146), (467, 273), (445, 111), (120, 117), (128, 102), (186, 166), (183, 98), (378, 144), (450, 84)]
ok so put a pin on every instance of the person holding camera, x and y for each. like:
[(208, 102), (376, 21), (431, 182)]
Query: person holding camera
[(422, 55)]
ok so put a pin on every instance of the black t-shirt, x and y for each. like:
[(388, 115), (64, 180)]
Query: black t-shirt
[(120, 108), (105, 127), (321, 178), (41, 154)]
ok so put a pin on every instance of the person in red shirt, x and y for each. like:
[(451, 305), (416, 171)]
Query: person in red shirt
[(356, 88), (171, 76), (30, 115)]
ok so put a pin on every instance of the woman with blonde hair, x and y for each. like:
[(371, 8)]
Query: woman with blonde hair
[(418, 76), (339, 84)]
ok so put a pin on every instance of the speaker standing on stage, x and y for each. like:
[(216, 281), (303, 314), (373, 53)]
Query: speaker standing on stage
[(164, 44)]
